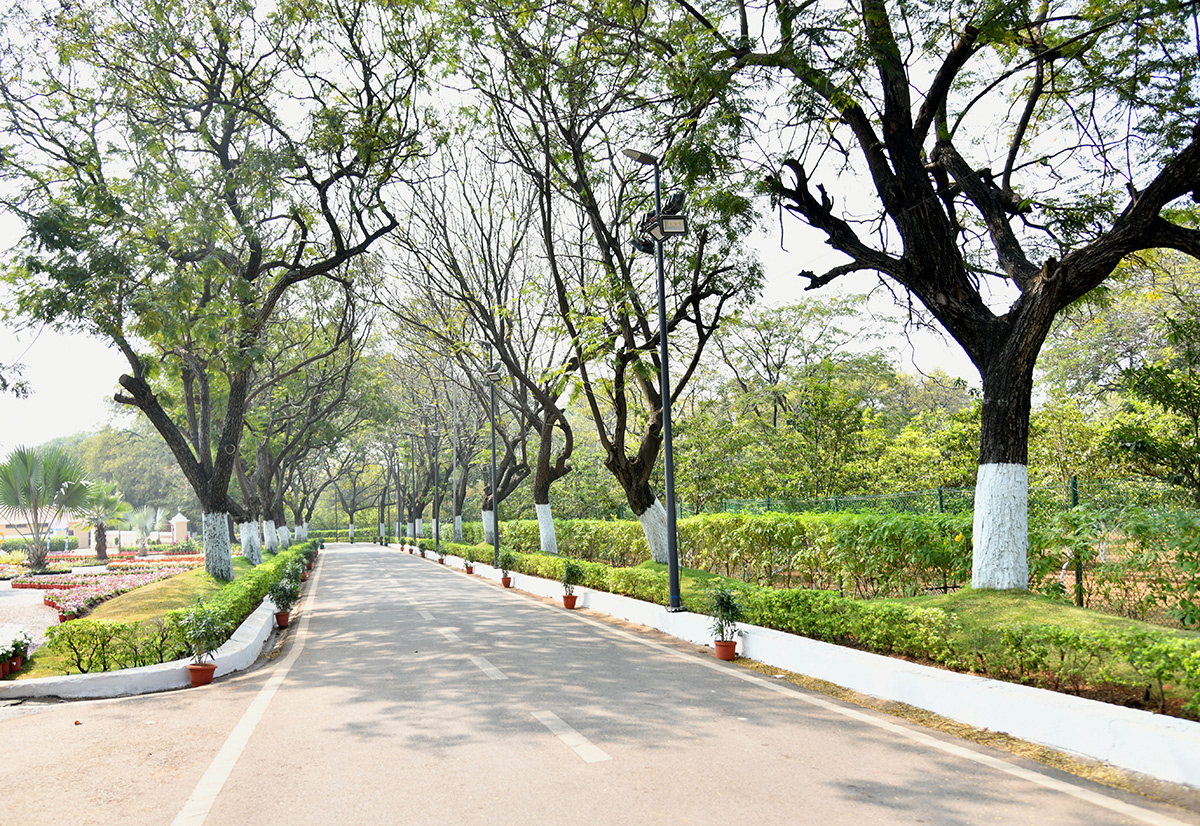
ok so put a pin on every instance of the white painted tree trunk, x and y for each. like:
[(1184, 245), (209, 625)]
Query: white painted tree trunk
[(654, 526), (218, 557), (434, 528), (247, 532), (285, 537), (1001, 527), (302, 532), (350, 532), (399, 529), (420, 527), (546, 529), (489, 526), (382, 531), (458, 528), (412, 533), (270, 537)]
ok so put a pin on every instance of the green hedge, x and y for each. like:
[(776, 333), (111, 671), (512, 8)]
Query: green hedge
[(54, 545), (96, 645)]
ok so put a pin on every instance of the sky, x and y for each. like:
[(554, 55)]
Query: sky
[(73, 376)]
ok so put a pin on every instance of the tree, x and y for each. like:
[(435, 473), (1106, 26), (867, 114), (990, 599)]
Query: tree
[(1014, 154), (566, 91), (147, 520), (37, 485), (1163, 434), (105, 508), (180, 167)]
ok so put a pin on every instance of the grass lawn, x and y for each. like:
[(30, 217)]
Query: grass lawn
[(988, 609), (140, 605)]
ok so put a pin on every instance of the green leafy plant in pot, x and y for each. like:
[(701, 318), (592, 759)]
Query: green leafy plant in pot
[(203, 631), (726, 612), (284, 594), (470, 557), (572, 575), (508, 561)]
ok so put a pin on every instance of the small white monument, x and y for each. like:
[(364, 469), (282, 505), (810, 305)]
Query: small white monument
[(179, 524)]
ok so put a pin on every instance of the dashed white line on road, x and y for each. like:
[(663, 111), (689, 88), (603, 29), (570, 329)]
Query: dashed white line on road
[(447, 633), (590, 752), (488, 669), (425, 615)]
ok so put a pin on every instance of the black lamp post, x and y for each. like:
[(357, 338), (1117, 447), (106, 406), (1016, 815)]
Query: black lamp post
[(660, 226), (437, 444), (412, 464), (493, 376)]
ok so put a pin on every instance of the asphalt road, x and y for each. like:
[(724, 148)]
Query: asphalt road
[(411, 693)]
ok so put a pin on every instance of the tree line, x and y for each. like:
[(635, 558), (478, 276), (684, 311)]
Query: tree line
[(293, 220)]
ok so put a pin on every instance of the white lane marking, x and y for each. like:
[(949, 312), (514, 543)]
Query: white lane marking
[(1096, 798), (578, 743), (448, 634), (425, 615), (488, 669), (198, 805)]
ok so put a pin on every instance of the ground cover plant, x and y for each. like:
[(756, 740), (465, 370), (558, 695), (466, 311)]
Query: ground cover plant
[(141, 626)]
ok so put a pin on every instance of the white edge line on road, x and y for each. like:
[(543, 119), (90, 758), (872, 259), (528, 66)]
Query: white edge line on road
[(1096, 798), (487, 668), (198, 805), (578, 743)]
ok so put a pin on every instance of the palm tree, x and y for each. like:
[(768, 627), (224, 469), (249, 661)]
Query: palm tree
[(105, 509), (145, 522), (38, 485)]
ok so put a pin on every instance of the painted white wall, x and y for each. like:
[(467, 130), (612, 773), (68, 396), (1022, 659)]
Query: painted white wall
[(1000, 558)]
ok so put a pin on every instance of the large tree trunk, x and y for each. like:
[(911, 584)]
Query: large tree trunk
[(549, 541), (248, 533), (101, 542), (458, 536), (218, 556), (270, 536), (654, 525), (489, 525)]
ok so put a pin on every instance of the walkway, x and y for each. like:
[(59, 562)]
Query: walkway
[(410, 693)]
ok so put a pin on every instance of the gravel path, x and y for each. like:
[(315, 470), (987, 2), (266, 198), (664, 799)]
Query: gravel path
[(24, 607)]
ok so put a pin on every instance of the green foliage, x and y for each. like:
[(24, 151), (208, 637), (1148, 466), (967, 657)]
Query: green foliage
[(572, 575), (507, 562), (202, 628), (284, 593), (37, 485), (726, 612)]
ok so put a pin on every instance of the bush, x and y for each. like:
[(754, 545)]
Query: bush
[(54, 545)]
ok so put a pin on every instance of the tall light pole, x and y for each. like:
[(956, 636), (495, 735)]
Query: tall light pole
[(437, 443), (659, 227), (412, 464), (493, 376)]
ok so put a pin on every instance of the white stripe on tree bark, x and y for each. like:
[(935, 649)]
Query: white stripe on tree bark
[(1001, 527), (250, 551), (654, 526), (218, 558), (489, 527), (270, 537), (549, 541), (458, 527)]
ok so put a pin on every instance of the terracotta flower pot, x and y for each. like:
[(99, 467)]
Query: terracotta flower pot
[(282, 617), (506, 581), (304, 577), (470, 569), (3, 669), (569, 600), (441, 561), (726, 649), (201, 673), (14, 665)]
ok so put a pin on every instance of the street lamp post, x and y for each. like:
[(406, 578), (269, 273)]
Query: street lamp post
[(659, 228), (437, 443), (412, 464), (493, 375)]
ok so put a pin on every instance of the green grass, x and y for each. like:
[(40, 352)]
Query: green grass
[(692, 584), (986, 609), (144, 604)]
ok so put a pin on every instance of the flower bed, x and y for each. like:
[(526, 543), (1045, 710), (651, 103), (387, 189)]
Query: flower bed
[(143, 564), (71, 594)]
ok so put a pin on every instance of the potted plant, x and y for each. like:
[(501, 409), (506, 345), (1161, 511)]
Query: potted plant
[(203, 632), (19, 650), (469, 560), (508, 561), (726, 612), (441, 552), (284, 594), (572, 575)]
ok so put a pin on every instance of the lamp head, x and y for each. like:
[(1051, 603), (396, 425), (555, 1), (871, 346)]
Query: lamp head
[(640, 157)]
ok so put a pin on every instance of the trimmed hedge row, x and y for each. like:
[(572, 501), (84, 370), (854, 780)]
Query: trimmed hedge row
[(96, 645), (54, 545), (865, 555)]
